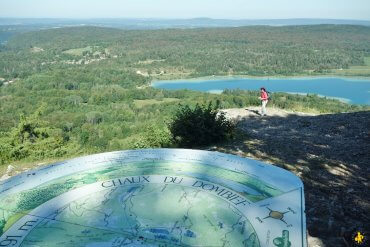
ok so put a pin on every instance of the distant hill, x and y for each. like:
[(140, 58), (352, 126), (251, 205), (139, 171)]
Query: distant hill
[(11, 26), (152, 23), (194, 52)]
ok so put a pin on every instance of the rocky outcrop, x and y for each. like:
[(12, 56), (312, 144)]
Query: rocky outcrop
[(329, 152)]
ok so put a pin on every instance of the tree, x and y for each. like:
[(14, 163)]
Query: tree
[(200, 126), (32, 138), (153, 137), (94, 117)]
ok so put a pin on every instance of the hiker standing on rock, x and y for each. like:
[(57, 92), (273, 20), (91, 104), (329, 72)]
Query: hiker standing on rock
[(264, 99)]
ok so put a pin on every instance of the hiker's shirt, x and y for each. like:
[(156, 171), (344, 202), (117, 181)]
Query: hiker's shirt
[(264, 96)]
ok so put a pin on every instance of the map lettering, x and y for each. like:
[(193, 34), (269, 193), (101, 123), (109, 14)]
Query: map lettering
[(198, 182), (227, 194), (173, 180), (238, 200), (10, 240), (128, 181), (26, 226), (291, 210), (242, 202), (218, 190), (208, 187), (234, 198), (108, 184), (125, 181), (259, 219), (230, 196)]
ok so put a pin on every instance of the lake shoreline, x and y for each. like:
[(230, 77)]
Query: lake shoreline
[(232, 77), (346, 89)]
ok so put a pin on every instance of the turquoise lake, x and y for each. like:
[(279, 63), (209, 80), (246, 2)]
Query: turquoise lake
[(355, 91)]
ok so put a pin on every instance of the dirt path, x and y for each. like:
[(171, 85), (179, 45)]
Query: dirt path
[(254, 112), (330, 153)]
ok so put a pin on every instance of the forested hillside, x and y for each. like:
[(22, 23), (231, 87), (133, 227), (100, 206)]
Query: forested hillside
[(68, 91), (191, 52)]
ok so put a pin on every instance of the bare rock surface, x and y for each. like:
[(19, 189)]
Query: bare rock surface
[(329, 152)]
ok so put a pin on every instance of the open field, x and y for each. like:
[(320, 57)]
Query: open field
[(78, 51), (354, 70), (146, 102)]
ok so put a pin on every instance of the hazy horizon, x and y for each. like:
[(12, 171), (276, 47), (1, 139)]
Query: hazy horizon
[(190, 9), (179, 18)]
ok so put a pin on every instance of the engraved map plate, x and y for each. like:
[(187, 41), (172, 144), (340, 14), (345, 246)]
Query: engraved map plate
[(154, 197)]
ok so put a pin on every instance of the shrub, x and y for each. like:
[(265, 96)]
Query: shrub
[(94, 117), (200, 126), (153, 137), (33, 139)]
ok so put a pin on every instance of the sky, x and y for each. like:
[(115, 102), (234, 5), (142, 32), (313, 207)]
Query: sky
[(226, 9)]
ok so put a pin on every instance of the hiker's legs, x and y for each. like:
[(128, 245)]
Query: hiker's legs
[(263, 112)]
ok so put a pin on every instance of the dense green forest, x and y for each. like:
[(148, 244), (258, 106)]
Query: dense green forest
[(70, 91), (259, 50)]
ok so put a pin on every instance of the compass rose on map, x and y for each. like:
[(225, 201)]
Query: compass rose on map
[(276, 215)]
